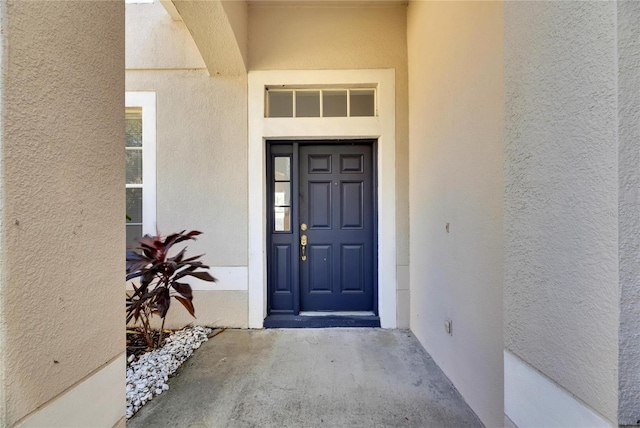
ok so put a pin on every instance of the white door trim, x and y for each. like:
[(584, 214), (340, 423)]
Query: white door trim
[(381, 127)]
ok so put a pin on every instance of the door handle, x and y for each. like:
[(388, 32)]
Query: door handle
[(303, 244)]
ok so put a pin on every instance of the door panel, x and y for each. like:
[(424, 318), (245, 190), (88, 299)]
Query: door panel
[(320, 264), (319, 164), (319, 204), (352, 265), (336, 202), (282, 268), (352, 205), (351, 163)]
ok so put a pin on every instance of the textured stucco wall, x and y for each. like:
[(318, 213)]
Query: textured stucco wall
[(213, 308), (3, 261), (201, 159), (212, 30), (201, 150), (201, 142), (456, 160), (63, 204), (238, 17), (629, 209), (155, 41), (311, 37), (561, 195)]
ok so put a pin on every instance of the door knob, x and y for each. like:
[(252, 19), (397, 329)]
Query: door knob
[(303, 244)]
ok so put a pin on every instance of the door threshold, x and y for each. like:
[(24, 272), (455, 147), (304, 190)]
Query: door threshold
[(322, 320), (337, 313)]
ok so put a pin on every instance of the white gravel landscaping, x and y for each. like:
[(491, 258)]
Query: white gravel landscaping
[(147, 375)]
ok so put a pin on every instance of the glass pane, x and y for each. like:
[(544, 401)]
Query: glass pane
[(134, 205), (307, 103), (282, 194), (362, 102), (282, 219), (133, 127), (133, 231), (283, 168), (334, 103), (134, 166), (280, 103)]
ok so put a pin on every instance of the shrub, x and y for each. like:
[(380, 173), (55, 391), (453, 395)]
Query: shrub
[(160, 277)]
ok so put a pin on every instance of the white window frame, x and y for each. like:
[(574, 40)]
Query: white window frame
[(147, 101), (320, 91)]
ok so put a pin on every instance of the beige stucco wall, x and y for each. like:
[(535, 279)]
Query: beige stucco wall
[(3, 275), (213, 308), (201, 151), (238, 16), (211, 25), (63, 204), (330, 37), (155, 41), (201, 164), (561, 195), (629, 209), (456, 116)]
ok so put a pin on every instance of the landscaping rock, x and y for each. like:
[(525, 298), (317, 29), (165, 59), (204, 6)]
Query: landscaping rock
[(147, 376)]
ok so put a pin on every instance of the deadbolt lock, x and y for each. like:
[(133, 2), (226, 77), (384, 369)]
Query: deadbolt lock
[(303, 227)]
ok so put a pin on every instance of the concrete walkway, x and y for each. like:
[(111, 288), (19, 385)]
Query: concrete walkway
[(309, 378)]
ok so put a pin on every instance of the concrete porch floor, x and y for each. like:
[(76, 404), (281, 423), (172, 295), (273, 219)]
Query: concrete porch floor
[(309, 378)]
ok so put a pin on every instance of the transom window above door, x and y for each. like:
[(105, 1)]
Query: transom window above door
[(325, 102)]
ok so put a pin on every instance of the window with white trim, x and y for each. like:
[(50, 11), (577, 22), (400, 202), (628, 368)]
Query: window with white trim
[(314, 102), (140, 152)]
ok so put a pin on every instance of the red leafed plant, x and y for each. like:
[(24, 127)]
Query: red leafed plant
[(159, 279)]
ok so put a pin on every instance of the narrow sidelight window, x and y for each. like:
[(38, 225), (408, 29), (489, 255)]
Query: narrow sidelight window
[(133, 153), (140, 147), (282, 193)]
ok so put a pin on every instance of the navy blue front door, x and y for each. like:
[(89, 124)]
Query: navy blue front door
[(336, 221)]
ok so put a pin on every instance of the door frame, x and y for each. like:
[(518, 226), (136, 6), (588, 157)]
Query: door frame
[(380, 128), (295, 211)]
